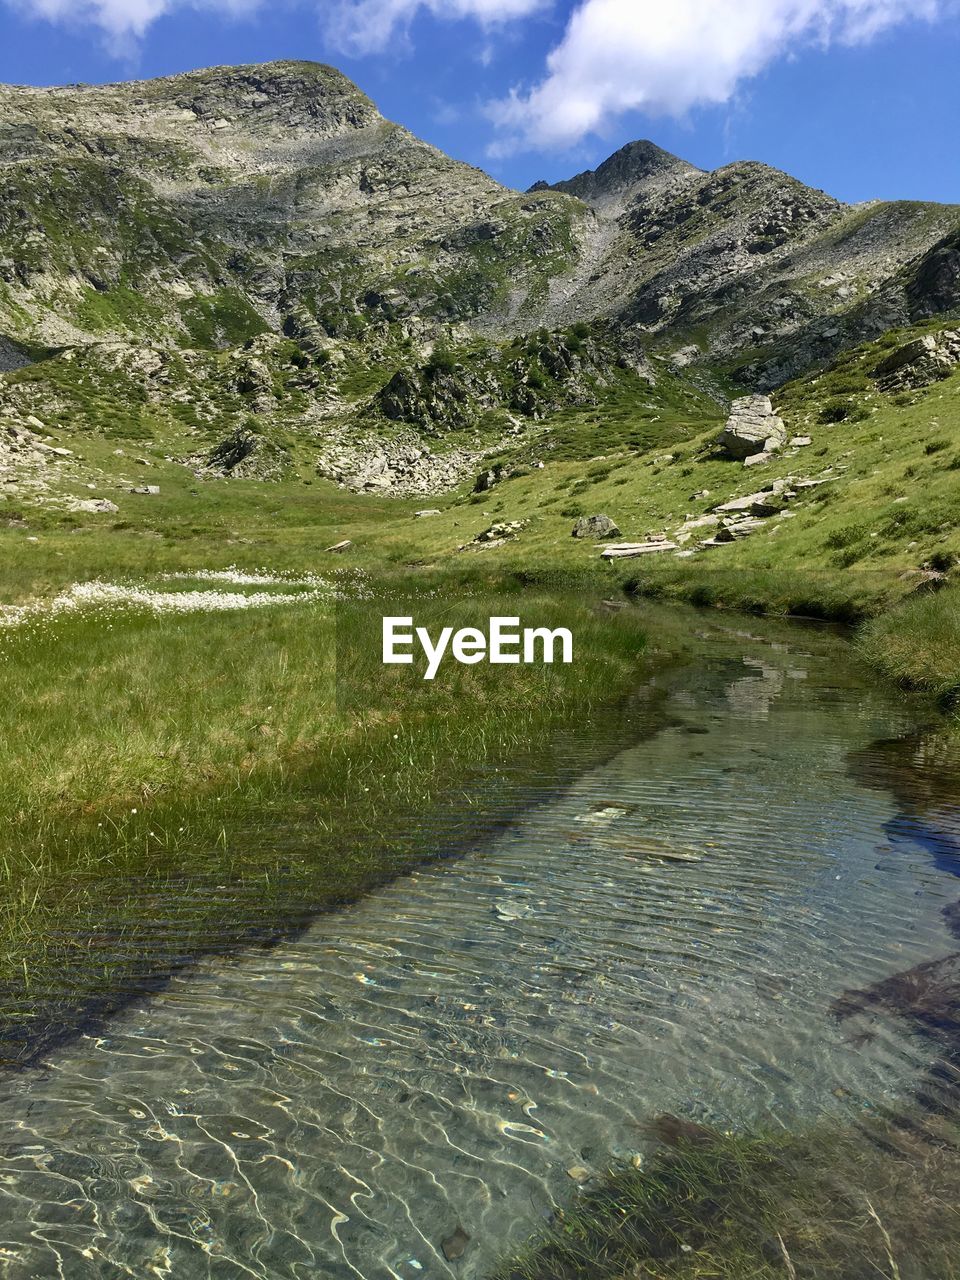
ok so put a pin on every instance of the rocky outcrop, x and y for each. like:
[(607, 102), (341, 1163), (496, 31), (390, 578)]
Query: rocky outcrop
[(597, 527), (246, 455), (494, 475), (919, 362), (496, 535), (935, 280), (11, 357), (752, 429), (401, 466)]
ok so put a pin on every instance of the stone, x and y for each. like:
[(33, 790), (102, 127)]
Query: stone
[(422, 515), (101, 506), (339, 547), (733, 530), (768, 502), (146, 488), (752, 428), (578, 1173), (801, 442), (595, 527), (631, 550), (455, 1244), (919, 362), (689, 527)]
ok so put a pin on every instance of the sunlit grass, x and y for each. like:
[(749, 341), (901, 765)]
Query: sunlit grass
[(213, 771)]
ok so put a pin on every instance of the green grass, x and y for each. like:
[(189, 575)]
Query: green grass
[(206, 763), (919, 644)]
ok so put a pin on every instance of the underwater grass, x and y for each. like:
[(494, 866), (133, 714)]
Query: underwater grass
[(879, 1202)]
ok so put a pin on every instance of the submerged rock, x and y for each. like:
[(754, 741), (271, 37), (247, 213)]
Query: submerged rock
[(454, 1246)]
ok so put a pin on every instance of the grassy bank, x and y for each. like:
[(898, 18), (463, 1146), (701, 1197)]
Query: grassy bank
[(179, 783), (918, 645)]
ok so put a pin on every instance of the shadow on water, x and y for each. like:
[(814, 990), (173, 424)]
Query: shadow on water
[(922, 771)]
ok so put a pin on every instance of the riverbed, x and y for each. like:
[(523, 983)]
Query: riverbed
[(469, 1046)]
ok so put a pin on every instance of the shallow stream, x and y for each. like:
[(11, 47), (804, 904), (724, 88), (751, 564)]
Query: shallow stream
[(470, 1044)]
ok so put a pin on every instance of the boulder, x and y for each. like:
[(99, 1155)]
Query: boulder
[(597, 527), (752, 428), (101, 506), (919, 362), (631, 550)]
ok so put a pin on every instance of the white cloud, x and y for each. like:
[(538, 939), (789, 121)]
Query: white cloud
[(664, 58), (352, 26), (369, 26), (123, 20)]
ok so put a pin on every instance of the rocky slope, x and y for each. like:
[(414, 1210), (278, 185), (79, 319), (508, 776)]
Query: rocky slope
[(747, 267), (247, 258), (217, 203)]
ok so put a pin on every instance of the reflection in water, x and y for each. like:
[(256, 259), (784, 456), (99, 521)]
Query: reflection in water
[(455, 1054)]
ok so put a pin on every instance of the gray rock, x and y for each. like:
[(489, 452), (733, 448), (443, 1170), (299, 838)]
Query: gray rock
[(101, 506), (631, 550), (919, 362), (734, 530), (752, 428), (598, 527)]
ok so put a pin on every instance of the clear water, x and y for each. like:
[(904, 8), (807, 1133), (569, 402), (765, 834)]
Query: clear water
[(665, 935)]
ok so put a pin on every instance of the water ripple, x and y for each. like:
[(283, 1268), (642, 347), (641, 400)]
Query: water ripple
[(668, 934)]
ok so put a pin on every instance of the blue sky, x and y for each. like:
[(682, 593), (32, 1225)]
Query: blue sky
[(859, 97)]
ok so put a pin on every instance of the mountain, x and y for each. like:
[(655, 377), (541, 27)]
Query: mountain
[(235, 260), (262, 192), (750, 268)]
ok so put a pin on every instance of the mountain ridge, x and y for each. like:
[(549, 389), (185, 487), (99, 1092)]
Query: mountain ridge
[(256, 249)]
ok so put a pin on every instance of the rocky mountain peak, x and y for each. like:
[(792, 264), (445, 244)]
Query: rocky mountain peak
[(622, 174), (257, 99)]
